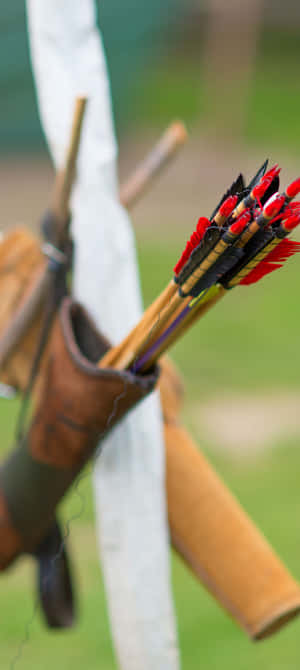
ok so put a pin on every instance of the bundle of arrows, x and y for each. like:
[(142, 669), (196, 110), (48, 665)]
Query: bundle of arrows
[(244, 240)]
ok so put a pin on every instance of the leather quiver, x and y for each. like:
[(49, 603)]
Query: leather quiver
[(79, 404), (216, 538), (221, 545), (21, 262)]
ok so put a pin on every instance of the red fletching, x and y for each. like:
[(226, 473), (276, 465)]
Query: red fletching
[(293, 189), (261, 188), (272, 208), (283, 214), (266, 181), (291, 222), (195, 239), (261, 270), (192, 243), (289, 215), (274, 260), (241, 223), (273, 172), (228, 206), (202, 225), (284, 250), (291, 209)]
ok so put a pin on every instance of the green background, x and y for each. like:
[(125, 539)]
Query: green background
[(134, 34)]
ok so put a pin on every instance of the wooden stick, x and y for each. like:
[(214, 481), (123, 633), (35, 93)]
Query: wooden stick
[(162, 319), (173, 138), (24, 315), (65, 178), (124, 356), (144, 339), (27, 311), (195, 314), (166, 148), (141, 330), (157, 327)]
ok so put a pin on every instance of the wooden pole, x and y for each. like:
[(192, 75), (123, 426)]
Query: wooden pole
[(171, 141), (140, 180), (64, 180)]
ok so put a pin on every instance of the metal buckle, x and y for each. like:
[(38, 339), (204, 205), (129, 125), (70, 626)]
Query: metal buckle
[(7, 392), (55, 255)]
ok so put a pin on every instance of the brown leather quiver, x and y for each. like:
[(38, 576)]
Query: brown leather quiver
[(221, 544), (79, 404), (215, 537)]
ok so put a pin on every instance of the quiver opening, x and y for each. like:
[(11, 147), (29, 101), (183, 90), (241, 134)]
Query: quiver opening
[(79, 404)]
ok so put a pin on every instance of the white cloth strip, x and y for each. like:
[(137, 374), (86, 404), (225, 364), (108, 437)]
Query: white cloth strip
[(68, 60)]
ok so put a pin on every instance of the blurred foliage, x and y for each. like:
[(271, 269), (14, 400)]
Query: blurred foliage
[(177, 89), (274, 101)]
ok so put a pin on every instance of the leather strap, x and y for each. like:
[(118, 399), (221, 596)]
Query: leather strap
[(54, 580), (57, 291)]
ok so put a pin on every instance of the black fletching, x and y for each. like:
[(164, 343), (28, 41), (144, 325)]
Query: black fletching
[(236, 188), (214, 275), (251, 249), (257, 177), (210, 239), (271, 190)]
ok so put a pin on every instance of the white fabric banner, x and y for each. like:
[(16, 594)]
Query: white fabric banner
[(68, 60)]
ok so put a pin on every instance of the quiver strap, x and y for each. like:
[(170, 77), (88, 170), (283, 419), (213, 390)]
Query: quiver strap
[(79, 404), (54, 580)]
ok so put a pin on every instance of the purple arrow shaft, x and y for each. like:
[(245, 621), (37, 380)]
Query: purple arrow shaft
[(137, 366)]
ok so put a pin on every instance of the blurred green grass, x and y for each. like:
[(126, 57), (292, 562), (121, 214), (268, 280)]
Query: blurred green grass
[(249, 342), (177, 88)]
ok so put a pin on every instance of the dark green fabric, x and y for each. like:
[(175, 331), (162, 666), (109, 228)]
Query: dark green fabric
[(134, 34), (32, 490)]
